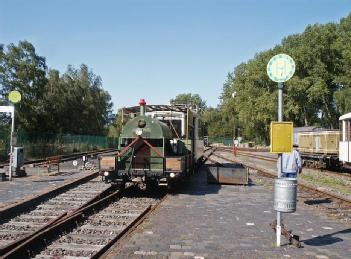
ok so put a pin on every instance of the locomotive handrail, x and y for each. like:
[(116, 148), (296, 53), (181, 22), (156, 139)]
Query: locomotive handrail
[(128, 147), (145, 141), (153, 148)]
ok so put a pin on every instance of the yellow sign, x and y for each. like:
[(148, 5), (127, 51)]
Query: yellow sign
[(15, 96), (281, 137)]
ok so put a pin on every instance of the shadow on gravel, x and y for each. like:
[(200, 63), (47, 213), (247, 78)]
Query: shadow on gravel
[(326, 239), (318, 201)]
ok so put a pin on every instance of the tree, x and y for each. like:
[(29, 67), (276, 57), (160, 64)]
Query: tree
[(318, 93), (317, 67), (116, 125), (190, 99), (82, 106), (23, 70), (343, 79), (74, 102)]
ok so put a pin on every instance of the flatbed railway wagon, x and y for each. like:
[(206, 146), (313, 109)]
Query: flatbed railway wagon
[(345, 141), (158, 145)]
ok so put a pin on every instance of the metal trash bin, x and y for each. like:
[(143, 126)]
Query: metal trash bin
[(285, 191)]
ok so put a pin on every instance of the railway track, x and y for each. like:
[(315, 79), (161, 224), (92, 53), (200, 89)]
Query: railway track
[(345, 175), (64, 158), (92, 230), (262, 171), (21, 222), (248, 154), (332, 204)]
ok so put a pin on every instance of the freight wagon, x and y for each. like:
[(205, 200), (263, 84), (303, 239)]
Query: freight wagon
[(320, 148)]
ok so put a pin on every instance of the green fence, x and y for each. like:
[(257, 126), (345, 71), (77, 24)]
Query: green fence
[(221, 141), (41, 145), (4, 144)]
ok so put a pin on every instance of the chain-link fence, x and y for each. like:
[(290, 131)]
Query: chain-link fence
[(41, 145)]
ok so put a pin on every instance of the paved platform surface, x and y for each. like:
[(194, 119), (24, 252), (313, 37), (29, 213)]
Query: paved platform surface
[(38, 181), (213, 221)]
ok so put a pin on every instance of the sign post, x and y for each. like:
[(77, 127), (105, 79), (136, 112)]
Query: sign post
[(14, 97), (280, 69)]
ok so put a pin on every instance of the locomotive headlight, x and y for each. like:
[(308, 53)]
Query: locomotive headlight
[(172, 175), (139, 131), (106, 173)]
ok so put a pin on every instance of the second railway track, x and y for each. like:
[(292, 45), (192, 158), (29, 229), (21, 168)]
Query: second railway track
[(346, 175), (89, 232), (64, 158)]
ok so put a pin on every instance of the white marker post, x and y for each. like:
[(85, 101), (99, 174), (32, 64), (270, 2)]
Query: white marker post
[(11, 110), (14, 97), (280, 69)]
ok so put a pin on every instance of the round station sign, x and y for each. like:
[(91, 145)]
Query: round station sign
[(280, 68), (15, 96)]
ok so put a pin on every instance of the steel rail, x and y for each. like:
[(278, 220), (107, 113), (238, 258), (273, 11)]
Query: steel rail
[(304, 185), (274, 160), (65, 224), (247, 153), (65, 157), (128, 231), (39, 239), (53, 193), (10, 210)]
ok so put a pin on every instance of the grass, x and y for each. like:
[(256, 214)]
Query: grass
[(334, 183)]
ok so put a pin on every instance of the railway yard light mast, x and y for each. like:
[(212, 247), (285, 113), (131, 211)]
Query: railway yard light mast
[(280, 69)]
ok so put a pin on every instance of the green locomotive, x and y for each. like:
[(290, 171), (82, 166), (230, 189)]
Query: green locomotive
[(157, 146)]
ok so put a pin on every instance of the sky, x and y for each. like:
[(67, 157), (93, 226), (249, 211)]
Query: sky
[(157, 49)]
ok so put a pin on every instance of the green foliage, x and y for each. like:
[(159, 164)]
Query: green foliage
[(25, 71), (76, 102), (73, 102), (115, 128), (190, 99), (318, 93)]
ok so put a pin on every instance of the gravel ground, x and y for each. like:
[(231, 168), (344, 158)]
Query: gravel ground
[(228, 221), (340, 212), (340, 186), (38, 181)]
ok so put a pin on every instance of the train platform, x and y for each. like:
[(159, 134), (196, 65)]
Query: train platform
[(39, 181), (230, 221)]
